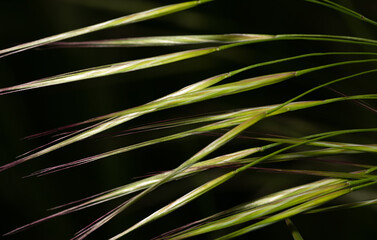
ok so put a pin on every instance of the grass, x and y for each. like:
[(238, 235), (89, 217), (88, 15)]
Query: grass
[(216, 160)]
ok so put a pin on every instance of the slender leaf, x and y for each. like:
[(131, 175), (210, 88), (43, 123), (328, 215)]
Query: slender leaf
[(165, 40), (293, 229), (288, 213), (133, 18), (343, 9)]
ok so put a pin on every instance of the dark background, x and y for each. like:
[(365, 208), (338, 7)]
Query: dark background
[(26, 199)]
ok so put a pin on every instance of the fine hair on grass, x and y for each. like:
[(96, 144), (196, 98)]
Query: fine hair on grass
[(234, 132)]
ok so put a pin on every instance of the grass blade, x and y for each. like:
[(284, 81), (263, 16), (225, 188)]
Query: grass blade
[(345, 206), (288, 213), (343, 9), (261, 207), (224, 121), (134, 65), (164, 40), (349, 146), (107, 70), (293, 229), (133, 18), (217, 181), (168, 102), (225, 160), (210, 81), (162, 104)]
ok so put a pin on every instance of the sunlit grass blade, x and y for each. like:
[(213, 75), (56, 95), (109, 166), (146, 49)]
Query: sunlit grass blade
[(343, 9), (318, 173), (210, 81), (195, 158), (191, 161), (225, 160), (358, 102), (165, 40), (199, 226), (244, 38), (349, 146), (261, 207), (221, 161), (224, 138), (210, 127), (218, 181), (258, 156), (167, 178), (345, 206), (163, 103), (107, 70), (225, 121), (279, 201), (134, 65), (205, 151), (209, 93), (133, 18), (288, 213), (293, 229), (327, 38)]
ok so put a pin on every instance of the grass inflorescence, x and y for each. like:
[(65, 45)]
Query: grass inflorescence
[(266, 153)]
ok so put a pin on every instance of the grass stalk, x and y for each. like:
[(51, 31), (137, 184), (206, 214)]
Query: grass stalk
[(133, 18)]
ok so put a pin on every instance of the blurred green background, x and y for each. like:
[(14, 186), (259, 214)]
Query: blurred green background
[(26, 199)]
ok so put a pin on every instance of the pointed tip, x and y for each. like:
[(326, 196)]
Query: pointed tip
[(19, 229), (15, 163), (7, 166), (3, 91), (33, 174), (41, 172), (204, 1), (50, 170), (9, 90)]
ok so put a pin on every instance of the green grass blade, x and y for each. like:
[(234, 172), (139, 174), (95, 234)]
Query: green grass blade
[(326, 38), (331, 174), (128, 66), (262, 207), (204, 152), (233, 73), (349, 146), (216, 182), (308, 139), (165, 40), (345, 206), (241, 217), (221, 161), (305, 71), (196, 96), (288, 213), (198, 156), (343, 9), (224, 160), (320, 194), (162, 104), (107, 70), (143, 184), (133, 18), (293, 229), (224, 121)]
